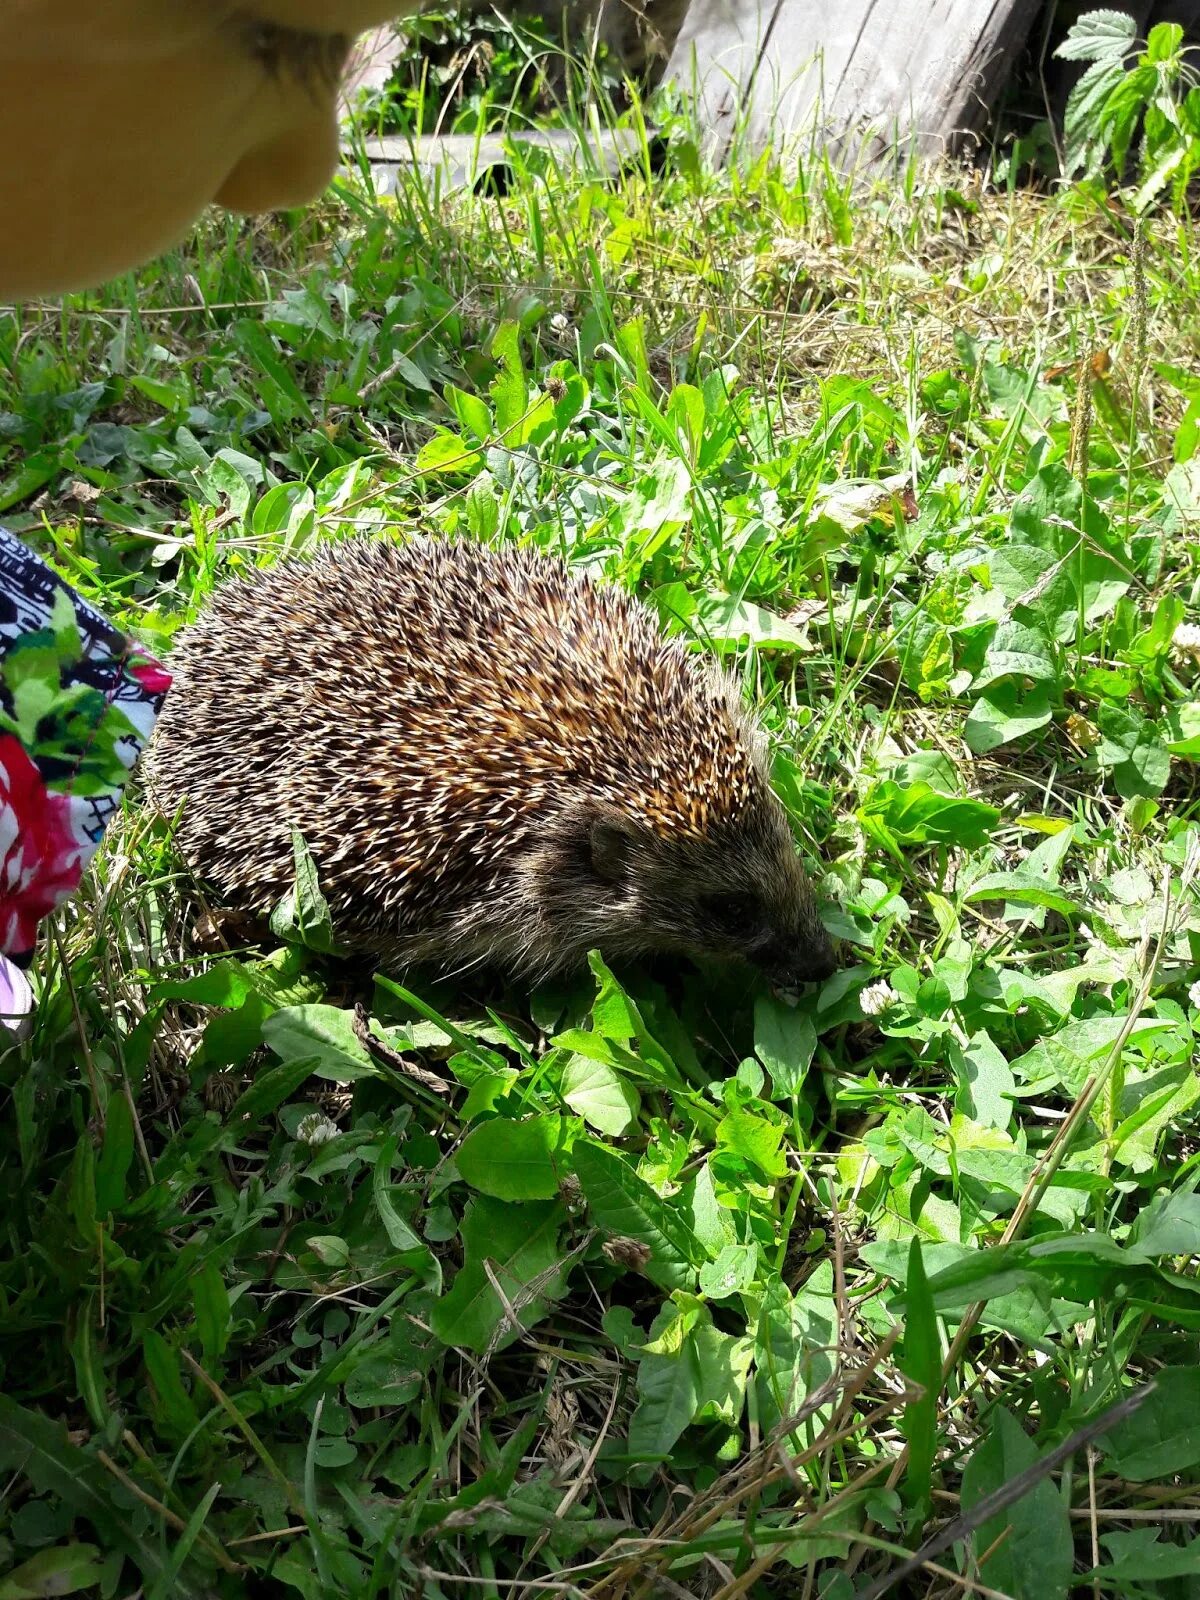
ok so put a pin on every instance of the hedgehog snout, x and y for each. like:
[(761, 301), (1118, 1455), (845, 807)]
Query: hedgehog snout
[(801, 951), (810, 962)]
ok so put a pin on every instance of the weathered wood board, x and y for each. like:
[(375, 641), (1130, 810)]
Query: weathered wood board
[(456, 161), (873, 81), (868, 79)]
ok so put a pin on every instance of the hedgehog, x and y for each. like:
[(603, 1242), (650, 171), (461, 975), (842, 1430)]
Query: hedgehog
[(493, 759)]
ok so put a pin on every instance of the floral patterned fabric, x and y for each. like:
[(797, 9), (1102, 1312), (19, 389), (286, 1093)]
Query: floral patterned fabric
[(78, 701)]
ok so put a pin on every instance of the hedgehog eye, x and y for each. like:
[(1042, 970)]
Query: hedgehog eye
[(736, 914), (608, 846)]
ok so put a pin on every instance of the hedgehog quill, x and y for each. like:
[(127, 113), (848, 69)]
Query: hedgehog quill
[(494, 761)]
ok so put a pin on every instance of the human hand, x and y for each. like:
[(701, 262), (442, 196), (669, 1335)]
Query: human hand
[(121, 121)]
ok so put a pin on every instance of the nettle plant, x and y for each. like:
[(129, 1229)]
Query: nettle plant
[(1133, 92)]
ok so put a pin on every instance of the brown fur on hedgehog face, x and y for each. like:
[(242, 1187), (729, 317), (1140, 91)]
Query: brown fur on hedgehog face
[(604, 880), (598, 878), (492, 759)]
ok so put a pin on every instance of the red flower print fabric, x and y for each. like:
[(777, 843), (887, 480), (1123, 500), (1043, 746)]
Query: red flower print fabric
[(41, 857), (78, 701)]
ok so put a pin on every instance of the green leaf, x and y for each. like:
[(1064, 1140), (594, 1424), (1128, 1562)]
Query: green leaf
[(1017, 1301), (1034, 578), (1162, 1437), (686, 411), (917, 814), (797, 1335), (412, 374), (1161, 174), (1140, 1559), (1084, 129), (283, 396), (181, 1546), (116, 1156), (733, 1272), (524, 1160), (1033, 1555), (305, 309), (755, 1138), (322, 1034), (284, 978), (1181, 729), (1017, 651), (615, 1016), (1164, 42), (1023, 888), (520, 1245), (624, 1205), (985, 1080), (1068, 1057), (400, 1236), (231, 1037), (483, 508), (709, 1220), (35, 1448), (1074, 1266), (223, 478), (1132, 750), (600, 1096), (32, 473), (785, 1041), (171, 1401), (725, 621), (1168, 1226), (1153, 1100), (1005, 713), (707, 1374), (66, 1569), (330, 1249), (1099, 36), (1124, 109), (509, 390), (921, 1363), (225, 984), (302, 916), (210, 1301), (473, 415), (383, 1380), (446, 452), (270, 1089)]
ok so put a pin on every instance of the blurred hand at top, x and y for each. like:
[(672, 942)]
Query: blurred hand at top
[(120, 120)]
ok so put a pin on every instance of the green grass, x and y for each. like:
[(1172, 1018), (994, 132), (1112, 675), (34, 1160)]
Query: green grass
[(610, 1290)]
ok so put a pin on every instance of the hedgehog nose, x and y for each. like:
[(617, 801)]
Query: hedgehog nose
[(811, 961), (814, 961), (822, 965)]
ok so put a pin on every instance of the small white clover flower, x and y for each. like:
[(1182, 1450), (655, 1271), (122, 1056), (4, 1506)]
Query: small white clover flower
[(1194, 994), (316, 1129), (876, 997), (1185, 642), (560, 322)]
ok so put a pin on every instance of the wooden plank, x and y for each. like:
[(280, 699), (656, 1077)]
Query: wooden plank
[(456, 161), (871, 80), (716, 54)]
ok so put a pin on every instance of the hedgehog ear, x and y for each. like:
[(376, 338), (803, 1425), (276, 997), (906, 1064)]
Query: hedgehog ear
[(609, 846)]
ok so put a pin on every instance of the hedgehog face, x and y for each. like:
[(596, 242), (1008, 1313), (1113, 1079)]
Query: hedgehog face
[(610, 882)]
